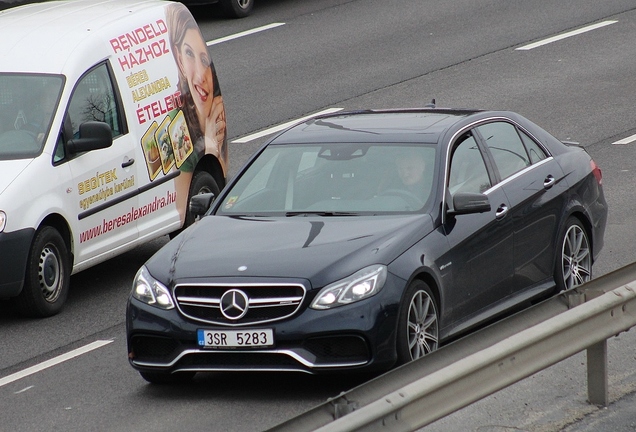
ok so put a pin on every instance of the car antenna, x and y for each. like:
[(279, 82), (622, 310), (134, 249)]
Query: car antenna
[(430, 105)]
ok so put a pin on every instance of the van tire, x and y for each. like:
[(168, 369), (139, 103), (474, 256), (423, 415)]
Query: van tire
[(202, 182), (48, 274), (237, 8)]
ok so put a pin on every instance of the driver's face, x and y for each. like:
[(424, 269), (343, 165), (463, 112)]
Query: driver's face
[(410, 170)]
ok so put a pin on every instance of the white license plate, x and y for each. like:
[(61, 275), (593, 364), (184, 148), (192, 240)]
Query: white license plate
[(235, 338)]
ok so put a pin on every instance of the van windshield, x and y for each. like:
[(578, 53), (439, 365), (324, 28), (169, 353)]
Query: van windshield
[(27, 105)]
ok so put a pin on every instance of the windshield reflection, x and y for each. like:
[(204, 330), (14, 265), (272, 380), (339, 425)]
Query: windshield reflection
[(334, 180)]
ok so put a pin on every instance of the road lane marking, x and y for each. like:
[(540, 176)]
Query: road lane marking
[(53, 362), (627, 140), (245, 33), (283, 126), (566, 35)]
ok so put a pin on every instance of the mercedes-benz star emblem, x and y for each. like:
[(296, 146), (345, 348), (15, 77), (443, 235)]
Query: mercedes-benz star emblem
[(234, 304)]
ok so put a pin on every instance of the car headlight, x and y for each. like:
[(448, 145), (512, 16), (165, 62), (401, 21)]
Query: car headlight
[(3, 220), (358, 286), (150, 291)]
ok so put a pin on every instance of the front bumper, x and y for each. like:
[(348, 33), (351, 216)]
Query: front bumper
[(360, 336), (14, 252)]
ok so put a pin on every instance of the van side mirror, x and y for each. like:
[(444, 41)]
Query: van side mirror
[(93, 135), (467, 203), (200, 204)]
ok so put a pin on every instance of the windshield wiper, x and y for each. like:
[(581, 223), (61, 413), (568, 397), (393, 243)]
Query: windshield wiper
[(318, 213)]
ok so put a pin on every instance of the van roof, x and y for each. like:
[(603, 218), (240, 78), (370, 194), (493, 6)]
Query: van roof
[(53, 36)]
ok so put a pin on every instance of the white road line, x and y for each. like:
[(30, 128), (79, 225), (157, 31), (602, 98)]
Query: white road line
[(245, 33), (54, 361), (627, 140), (566, 35), (283, 126)]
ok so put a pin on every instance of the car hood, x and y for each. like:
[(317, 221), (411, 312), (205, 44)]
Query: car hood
[(9, 171), (319, 249)]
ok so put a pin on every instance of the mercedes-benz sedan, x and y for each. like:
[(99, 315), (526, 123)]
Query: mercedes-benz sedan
[(363, 240)]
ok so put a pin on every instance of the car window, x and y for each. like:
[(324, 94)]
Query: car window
[(504, 143), (94, 99), (468, 171), (534, 150)]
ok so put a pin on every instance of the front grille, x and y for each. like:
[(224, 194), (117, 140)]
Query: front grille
[(265, 303)]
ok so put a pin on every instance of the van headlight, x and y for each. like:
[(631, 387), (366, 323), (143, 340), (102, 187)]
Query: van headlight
[(3, 220), (150, 291), (360, 285)]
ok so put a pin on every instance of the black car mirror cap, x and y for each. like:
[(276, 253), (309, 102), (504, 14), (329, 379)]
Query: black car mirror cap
[(200, 204), (467, 203), (93, 135)]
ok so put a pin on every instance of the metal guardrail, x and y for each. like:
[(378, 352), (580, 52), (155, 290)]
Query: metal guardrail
[(423, 391)]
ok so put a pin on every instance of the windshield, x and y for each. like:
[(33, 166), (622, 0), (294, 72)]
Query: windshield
[(334, 179), (27, 106)]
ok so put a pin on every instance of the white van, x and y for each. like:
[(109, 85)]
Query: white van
[(111, 118)]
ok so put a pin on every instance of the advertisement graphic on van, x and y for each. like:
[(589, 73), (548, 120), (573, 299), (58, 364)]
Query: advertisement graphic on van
[(183, 114), (107, 129)]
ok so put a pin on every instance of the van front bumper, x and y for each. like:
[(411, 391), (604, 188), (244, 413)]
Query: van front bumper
[(14, 252)]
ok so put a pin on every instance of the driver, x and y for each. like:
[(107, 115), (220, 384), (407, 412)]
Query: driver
[(411, 167)]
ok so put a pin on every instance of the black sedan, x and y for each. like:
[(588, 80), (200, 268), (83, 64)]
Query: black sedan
[(232, 8), (363, 240)]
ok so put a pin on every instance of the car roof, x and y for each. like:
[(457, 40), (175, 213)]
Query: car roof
[(399, 125), (51, 36)]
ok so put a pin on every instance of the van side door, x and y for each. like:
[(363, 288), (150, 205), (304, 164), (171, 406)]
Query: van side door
[(104, 193)]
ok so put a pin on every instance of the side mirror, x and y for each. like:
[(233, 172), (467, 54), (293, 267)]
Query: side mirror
[(200, 204), (93, 135), (467, 203)]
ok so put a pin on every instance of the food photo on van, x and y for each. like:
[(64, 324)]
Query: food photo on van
[(106, 131)]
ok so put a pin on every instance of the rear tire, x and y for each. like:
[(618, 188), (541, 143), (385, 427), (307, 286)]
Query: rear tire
[(574, 256), (162, 378), (237, 8), (418, 323), (46, 284), (202, 182)]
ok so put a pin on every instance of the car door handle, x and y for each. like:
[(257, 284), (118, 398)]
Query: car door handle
[(549, 182), (502, 211), (127, 163)]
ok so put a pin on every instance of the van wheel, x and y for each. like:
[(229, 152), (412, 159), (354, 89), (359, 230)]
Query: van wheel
[(237, 8), (48, 275), (418, 323), (202, 182)]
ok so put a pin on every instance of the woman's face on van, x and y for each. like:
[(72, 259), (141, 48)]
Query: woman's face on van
[(196, 69)]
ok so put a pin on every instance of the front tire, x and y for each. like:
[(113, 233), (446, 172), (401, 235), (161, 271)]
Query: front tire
[(418, 326), (237, 8), (574, 256), (46, 284)]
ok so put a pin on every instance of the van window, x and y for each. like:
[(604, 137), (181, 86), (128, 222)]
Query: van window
[(27, 105), (94, 98)]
